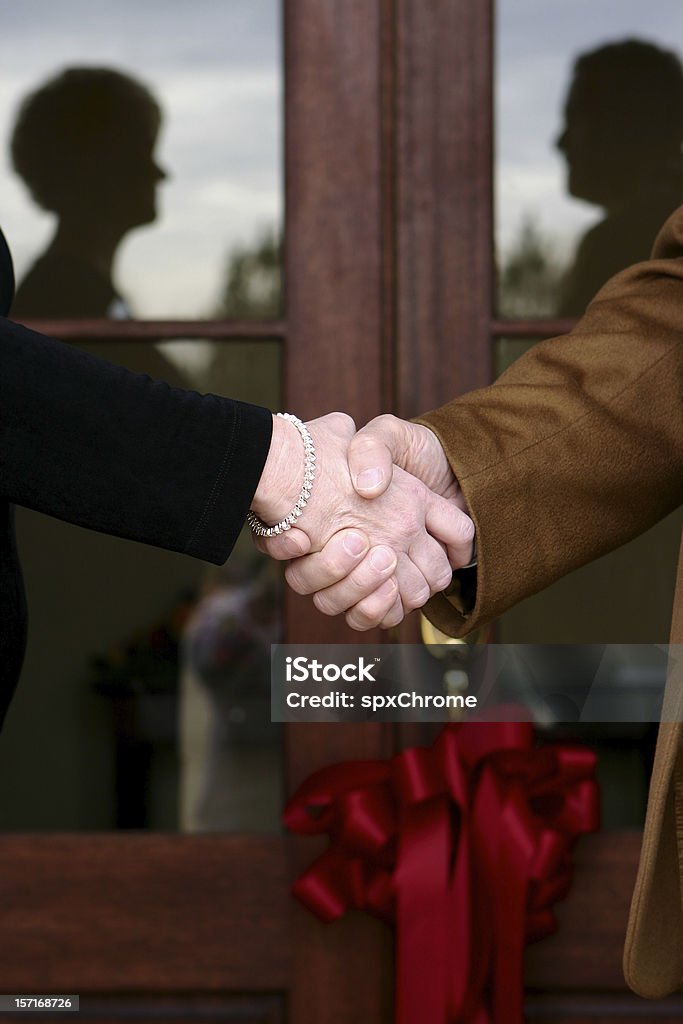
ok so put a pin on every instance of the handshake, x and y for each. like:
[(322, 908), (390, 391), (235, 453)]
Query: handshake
[(385, 524)]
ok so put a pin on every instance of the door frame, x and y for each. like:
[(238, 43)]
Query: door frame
[(389, 307)]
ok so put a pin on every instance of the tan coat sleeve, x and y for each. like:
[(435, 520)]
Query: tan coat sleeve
[(578, 446)]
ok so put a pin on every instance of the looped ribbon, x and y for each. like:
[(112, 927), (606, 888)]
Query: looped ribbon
[(464, 847)]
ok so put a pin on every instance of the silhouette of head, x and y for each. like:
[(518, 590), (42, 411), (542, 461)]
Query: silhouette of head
[(623, 120), (84, 144)]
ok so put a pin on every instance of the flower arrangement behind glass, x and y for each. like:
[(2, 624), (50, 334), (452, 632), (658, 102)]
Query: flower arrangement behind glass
[(226, 658)]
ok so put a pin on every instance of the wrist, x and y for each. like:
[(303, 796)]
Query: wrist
[(280, 483)]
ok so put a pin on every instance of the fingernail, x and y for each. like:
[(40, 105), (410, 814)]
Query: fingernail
[(387, 588), (368, 479), (354, 543), (382, 558)]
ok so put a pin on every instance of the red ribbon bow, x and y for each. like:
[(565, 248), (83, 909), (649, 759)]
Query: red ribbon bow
[(465, 846)]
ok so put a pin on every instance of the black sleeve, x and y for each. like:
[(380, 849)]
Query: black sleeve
[(115, 451)]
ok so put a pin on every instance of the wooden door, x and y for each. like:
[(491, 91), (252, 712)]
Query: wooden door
[(447, 328), (203, 927), (389, 305)]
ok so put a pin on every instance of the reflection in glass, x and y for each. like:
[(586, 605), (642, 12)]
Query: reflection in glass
[(106, 730), (589, 131), (621, 140), (84, 144), (97, 736), (507, 351), (195, 101), (231, 754), (231, 750)]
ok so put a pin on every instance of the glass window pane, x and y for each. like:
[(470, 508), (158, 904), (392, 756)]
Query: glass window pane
[(589, 122), (142, 157), (144, 180), (144, 701)]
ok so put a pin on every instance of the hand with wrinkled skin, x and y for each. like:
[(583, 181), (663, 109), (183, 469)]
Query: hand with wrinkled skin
[(373, 559)]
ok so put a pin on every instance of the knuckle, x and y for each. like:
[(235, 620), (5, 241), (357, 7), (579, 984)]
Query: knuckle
[(415, 598), (370, 611), (360, 620), (465, 528), (279, 550), (334, 566), (360, 586), (407, 526), (364, 441), (416, 488), (393, 618), (343, 421), (410, 537), (324, 603), (443, 581), (439, 571), (296, 579)]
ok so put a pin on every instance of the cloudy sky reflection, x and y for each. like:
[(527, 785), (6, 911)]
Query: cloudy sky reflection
[(536, 44), (216, 68)]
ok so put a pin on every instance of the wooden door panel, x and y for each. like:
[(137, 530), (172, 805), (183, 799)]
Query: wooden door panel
[(148, 913), (596, 1009), (248, 1009), (388, 296), (162, 914), (338, 264), (576, 974), (586, 951), (156, 915)]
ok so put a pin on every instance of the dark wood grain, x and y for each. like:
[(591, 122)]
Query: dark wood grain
[(333, 239), (443, 168), (334, 255), (600, 1009), (389, 272), (532, 327), (158, 330), (335, 301), (586, 952), (156, 912), (182, 1009)]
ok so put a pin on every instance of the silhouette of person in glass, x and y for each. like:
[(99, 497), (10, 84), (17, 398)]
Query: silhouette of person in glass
[(622, 143), (84, 145)]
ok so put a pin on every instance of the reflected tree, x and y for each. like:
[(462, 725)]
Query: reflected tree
[(253, 286), (530, 274)]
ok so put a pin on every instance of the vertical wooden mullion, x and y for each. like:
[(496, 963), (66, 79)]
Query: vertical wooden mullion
[(443, 170), (335, 298), (444, 176)]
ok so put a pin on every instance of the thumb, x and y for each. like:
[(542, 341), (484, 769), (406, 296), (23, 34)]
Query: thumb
[(290, 544), (448, 524), (372, 453)]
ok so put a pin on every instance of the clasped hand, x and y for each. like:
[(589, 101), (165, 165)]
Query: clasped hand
[(384, 527)]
